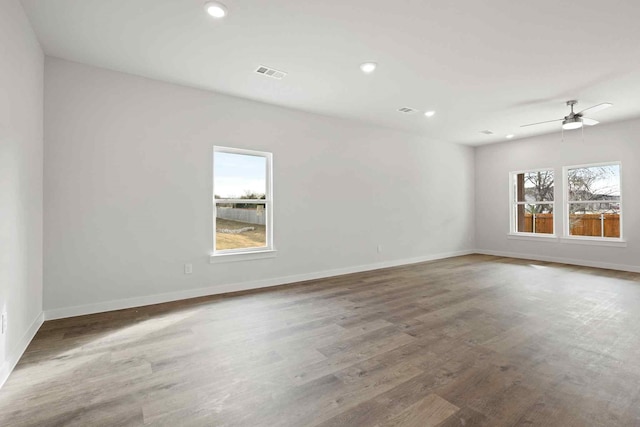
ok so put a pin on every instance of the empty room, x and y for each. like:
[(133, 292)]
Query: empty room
[(319, 213)]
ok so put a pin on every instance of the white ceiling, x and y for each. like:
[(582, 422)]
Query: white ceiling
[(494, 64)]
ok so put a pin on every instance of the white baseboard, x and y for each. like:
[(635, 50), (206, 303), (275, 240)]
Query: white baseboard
[(15, 354), (81, 310), (571, 261)]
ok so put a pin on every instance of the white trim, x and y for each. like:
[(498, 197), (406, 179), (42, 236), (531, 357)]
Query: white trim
[(242, 251), (593, 165), (565, 202), (242, 256), (244, 151), (548, 202), (80, 310), (571, 261), (611, 202), (14, 355), (597, 241), (534, 170), (533, 237), (247, 201), (267, 201), (513, 220), (552, 238)]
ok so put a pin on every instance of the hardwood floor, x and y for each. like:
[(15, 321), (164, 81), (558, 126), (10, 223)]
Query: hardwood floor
[(467, 341)]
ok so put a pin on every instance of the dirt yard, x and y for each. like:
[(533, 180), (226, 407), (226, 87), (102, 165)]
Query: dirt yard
[(255, 238)]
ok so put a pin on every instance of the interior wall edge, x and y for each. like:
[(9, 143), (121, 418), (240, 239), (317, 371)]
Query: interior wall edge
[(16, 353), (21, 183)]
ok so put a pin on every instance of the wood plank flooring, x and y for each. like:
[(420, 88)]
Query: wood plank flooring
[(467, 341)]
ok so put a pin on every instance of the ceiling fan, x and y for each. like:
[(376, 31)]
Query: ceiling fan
[(576, 120)]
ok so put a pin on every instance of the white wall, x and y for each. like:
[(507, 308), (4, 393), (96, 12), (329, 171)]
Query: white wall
[(602, 143), (21, 153), (128, 191)]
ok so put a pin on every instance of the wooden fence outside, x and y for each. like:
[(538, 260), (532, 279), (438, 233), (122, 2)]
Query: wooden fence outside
[(580, 225), (544, 223)]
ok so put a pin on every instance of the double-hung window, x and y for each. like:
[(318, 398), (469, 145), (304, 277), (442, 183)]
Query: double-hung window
[(532, 202), (242, 200), (594, 201)]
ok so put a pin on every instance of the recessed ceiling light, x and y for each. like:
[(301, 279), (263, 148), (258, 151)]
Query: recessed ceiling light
[(429, 113), (510, 136), (368, 67), (215, 9)]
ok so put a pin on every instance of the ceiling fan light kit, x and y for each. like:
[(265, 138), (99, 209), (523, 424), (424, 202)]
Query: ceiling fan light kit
[(572, 123)]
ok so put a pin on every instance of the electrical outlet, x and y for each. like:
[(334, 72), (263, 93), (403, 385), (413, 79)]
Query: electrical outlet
[(379, 248), (4, 323), (188, 268)]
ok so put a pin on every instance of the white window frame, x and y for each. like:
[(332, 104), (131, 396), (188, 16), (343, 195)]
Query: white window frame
[(513, 221), (246, 253), (566, 220)]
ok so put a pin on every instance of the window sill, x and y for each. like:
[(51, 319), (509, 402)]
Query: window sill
[(242, 256), (533, 237), (595, 241)]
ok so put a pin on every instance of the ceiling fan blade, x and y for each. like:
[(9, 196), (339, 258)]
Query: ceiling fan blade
[(540, 123), (595, 108), (589, 122)]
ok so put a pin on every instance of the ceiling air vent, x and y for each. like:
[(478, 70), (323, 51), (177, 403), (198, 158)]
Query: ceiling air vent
[(407, 110), (271, 72), (486, 132)]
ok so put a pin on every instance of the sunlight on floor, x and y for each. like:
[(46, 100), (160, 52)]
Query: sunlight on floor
[(73, 360), (538, 267)]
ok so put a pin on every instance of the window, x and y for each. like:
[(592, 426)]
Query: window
[(532, 202), (594, 202), (242, 199)]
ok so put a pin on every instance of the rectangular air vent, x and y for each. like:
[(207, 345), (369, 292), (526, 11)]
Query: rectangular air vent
[(486, 132), (407, 110), (270, 72)]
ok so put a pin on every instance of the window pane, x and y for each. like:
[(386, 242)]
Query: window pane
[(240, 226), (534, 218), (239, 176), (534, 186), (594, 183), (595, 219)]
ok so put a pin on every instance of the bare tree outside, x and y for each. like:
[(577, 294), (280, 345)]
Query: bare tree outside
[(598, 184), (538, 187), (534, 201), (594, 201)]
